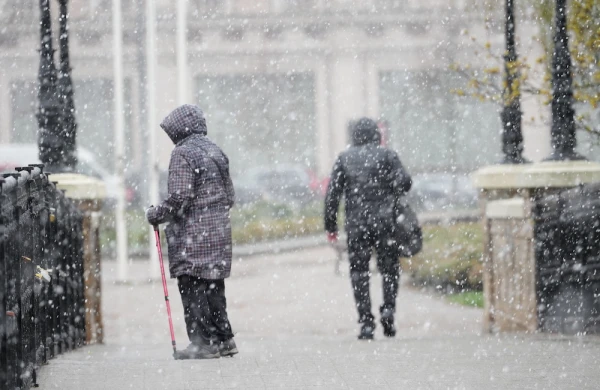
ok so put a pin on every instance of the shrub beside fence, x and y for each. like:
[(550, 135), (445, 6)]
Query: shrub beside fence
[(42, 306)]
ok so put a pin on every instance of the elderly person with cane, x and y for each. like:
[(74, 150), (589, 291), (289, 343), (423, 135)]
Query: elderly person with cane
[(200, 195)]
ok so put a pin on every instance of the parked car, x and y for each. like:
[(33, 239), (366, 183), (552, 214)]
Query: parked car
[(442, 191), (283, 183), (246, 192), (16, 155)]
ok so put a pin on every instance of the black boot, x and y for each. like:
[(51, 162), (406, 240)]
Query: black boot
[(387, 322), (366, 331)]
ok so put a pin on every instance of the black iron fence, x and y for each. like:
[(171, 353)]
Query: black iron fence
[(42, 310), (567, 231)]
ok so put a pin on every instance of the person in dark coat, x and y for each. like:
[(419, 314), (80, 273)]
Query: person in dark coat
[(200, 195), (370, 177)]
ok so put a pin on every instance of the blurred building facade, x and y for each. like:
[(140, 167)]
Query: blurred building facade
[(278, 79)]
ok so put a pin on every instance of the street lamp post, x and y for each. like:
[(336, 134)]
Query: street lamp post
[(512, 136), (563, 115), (65, 90), (49, 114)]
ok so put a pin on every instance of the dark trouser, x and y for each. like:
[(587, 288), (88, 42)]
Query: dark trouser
[(361, 242), (205, 309)]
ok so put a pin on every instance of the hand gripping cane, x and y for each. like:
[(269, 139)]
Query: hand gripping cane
[(164, 282)]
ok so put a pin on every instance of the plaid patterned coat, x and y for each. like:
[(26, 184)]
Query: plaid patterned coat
[(200, 197)]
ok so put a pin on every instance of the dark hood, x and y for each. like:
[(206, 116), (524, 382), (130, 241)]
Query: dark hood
[(183, 122), (365, 132)]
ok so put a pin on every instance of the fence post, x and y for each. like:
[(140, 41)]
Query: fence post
[(28, 296), (87, 194), (24, 340), (9, 201), (40, 207), (3, 330), (92, 271), (54, 288)]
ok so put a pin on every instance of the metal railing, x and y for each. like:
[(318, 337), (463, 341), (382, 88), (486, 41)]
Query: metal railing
[(42, 311), (567, 250)]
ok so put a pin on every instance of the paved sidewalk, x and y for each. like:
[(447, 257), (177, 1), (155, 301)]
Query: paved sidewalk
[(296, 328)]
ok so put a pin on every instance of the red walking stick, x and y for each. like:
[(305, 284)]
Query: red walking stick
[(164, 281)]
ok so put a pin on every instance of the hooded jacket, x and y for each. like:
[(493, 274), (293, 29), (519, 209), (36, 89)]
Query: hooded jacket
[(370, 177), (200, 195)]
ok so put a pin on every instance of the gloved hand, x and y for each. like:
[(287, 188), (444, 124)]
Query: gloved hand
[(151, 215), (332, 237)]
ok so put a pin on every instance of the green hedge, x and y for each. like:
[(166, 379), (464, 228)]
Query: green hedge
[(271, 229), (450, 260), (250, 223), (467, 298)]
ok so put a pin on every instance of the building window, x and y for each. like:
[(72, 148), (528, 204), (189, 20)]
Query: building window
[(207, 8), (261, 119), (95, 118), (301, 6), (434, 130), (391, 5)]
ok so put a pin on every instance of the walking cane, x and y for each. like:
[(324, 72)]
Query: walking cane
[(164, 282)]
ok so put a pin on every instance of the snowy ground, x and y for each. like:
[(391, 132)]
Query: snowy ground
[(296, 328)]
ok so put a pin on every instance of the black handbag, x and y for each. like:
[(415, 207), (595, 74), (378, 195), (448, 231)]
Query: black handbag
[(408, 233)]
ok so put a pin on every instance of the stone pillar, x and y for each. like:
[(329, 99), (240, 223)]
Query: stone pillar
[(88, 194), (347, 96), (509, 269), (508, 193)]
